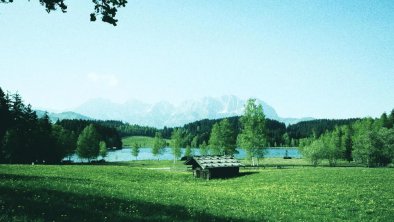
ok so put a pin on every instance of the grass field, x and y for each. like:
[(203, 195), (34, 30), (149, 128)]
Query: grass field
[(146, 191), (297, 162), (145, 141)]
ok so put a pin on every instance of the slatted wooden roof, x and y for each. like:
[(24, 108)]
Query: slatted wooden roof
[(208, 162)]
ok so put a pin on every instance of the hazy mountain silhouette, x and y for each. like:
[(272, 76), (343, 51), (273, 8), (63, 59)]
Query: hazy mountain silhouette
[(166, 114)]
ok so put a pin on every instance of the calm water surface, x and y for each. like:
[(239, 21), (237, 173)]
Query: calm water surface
[(145, 154)]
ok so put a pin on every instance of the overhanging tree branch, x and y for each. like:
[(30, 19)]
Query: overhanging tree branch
[(106, 9)]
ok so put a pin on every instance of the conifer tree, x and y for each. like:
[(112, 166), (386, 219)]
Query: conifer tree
[(390, 123), (5, 120), (4, 113), (348, 143)]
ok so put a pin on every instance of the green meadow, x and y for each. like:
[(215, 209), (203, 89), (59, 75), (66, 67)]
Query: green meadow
[(161, 191)]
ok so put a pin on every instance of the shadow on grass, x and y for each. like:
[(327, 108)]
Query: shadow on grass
[(242, 174), (15, 177), (123, 163), (27, 204)]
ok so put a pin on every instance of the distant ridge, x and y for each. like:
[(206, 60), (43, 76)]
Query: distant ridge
[(60, 116), (166, 114), (291, 121)]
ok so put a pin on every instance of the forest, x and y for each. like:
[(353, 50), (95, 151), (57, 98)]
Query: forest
[(25, 138), (278, 134), (367, 141)]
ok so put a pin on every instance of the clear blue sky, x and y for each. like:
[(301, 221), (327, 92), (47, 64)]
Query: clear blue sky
[(324, 59)]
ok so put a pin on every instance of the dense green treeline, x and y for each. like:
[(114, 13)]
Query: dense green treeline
[(126, 129), (315, 127), (277, 132), (367, 141), (198, 132), (25, 138), (106, 131)]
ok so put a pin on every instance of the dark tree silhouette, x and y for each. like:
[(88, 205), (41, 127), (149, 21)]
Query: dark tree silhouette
[(106, 9)]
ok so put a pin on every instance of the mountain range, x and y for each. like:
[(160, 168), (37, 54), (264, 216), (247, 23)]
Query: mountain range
[(60, 116), (166, 114)]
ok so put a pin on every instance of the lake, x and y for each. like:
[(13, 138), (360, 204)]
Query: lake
[(145, 154)]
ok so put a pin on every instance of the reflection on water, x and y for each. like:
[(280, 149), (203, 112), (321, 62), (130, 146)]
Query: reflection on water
[(145, 154)]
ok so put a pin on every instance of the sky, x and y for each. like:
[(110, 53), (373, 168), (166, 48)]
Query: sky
[(322, 59)]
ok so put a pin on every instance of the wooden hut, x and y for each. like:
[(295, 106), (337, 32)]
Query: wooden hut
[(208, 167)]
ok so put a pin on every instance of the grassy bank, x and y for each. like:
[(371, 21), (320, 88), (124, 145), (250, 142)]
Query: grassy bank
[(152, 191)]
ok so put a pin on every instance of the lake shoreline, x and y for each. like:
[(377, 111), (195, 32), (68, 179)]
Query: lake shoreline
[(124, 154)]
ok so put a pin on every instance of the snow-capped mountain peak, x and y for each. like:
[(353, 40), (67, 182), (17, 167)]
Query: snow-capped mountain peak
[(166, 114)]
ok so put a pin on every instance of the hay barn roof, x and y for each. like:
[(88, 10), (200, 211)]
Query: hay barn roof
[(208, 162)]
